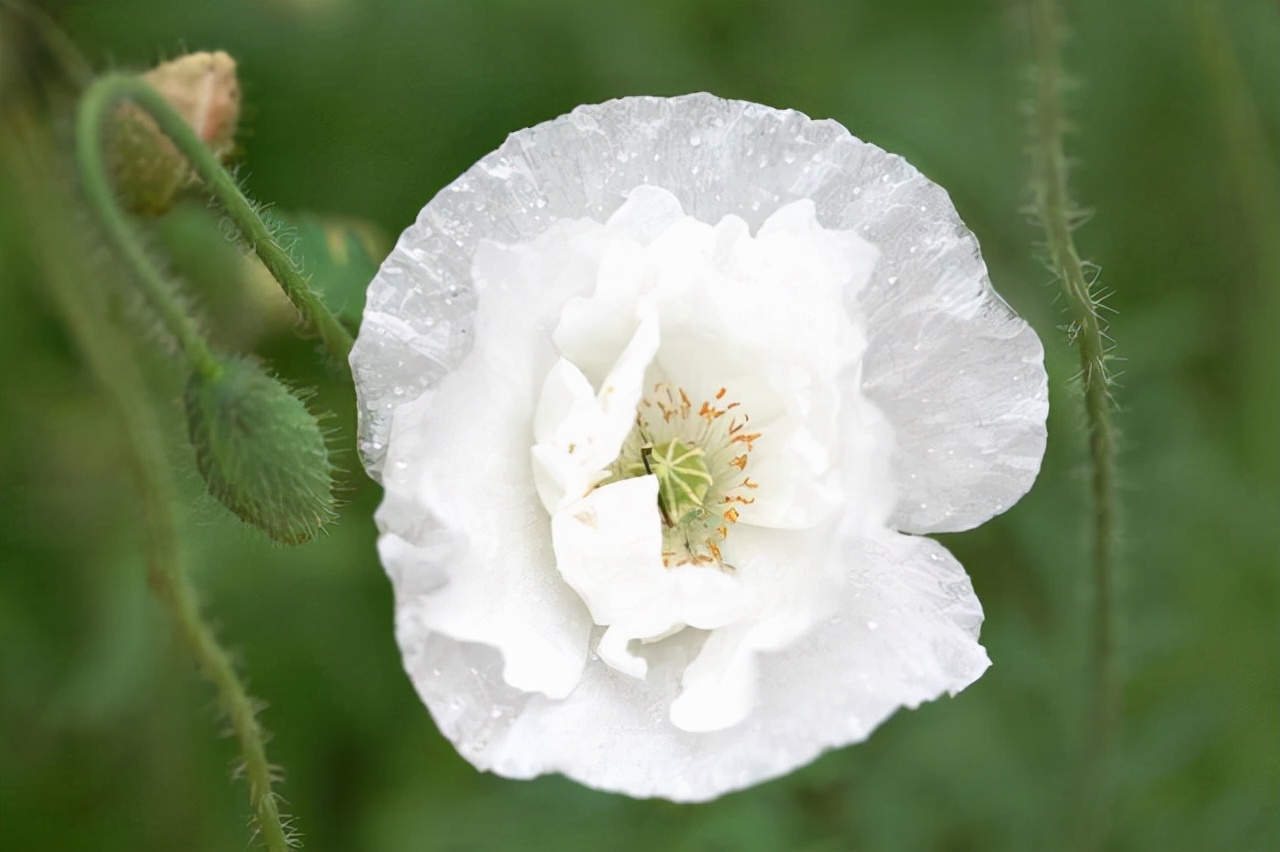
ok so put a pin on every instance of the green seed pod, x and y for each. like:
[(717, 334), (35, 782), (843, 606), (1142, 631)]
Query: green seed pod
[(683, 479), (261, 452)]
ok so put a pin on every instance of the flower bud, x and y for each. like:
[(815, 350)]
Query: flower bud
[(148, 168), (203, 88), (261, 452)]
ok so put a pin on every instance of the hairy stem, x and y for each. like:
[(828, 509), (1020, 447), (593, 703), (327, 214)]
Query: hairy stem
[(1089, 334), (75, 292), (111, 90), (96, 108)]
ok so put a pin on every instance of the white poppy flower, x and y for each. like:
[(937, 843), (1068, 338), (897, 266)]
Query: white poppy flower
[(661, 393)]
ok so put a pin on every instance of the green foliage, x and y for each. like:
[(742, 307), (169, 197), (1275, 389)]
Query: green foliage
[(261, 452)]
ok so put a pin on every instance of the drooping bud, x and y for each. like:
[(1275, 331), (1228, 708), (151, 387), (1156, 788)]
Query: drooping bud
[(261, 452), (148, 168), (204, 90)]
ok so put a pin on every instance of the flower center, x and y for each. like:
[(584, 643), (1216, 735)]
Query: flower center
[(699, 456), (683, 479)]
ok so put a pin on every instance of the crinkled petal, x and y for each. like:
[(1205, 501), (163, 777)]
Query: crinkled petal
[(903, 631), (958, 375)]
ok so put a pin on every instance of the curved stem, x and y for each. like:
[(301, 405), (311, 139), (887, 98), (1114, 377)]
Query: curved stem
[(219, 183), (96, 108), (1089, 333), (107, 357)]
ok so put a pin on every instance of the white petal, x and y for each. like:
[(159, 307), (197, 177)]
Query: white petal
[(647, 212), (579, 431), (957, 373), (718, 688), (590, 330), (420, 304), (461, 506), (903, 633), (567, 419), (608, 547), (613, 649)]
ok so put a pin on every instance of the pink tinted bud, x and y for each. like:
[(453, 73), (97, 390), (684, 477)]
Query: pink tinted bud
[(204, 90), (148, 168)]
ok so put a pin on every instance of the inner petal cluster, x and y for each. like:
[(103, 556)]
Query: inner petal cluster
[(689, 453)]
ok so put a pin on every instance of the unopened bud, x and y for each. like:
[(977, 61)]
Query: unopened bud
[(148, 168), (203, 88), (261, 452)]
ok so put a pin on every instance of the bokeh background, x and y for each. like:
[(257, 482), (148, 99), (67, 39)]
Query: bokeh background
[(363, 110)]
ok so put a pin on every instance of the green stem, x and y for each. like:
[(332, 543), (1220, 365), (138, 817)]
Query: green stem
[(96, 109), (107, 357), (1089, 333), (218, 182), (168, 578)]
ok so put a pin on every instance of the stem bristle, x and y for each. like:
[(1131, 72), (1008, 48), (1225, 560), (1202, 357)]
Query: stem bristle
[(1085, 300)]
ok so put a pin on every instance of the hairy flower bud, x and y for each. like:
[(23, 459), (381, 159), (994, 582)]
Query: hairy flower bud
[(261, 452), (148, 168), (204, 90)]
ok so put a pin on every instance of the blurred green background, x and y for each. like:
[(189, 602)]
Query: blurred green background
[(109, 740)]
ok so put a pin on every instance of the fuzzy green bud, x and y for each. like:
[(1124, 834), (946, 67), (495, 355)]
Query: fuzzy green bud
[(261, 452)]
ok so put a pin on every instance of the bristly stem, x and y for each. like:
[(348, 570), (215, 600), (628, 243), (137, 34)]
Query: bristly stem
[(107, 356), (96, 108), (1089, 334)]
